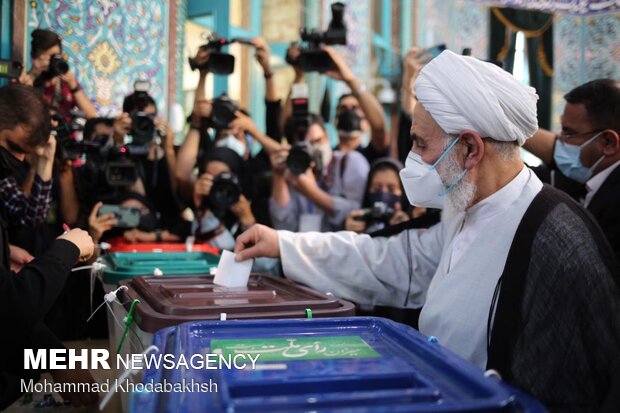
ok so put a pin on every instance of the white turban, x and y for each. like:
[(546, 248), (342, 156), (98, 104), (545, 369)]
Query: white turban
[(464, 93)]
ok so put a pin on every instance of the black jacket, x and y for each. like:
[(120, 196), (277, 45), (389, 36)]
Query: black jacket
[(605, 206), (556, 330), (25, 298)]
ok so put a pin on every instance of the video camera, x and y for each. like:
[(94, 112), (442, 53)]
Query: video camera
[(223, 110), (377, 217), (218, 62), (120, 172), (313, 58), (68, 147), (224, 193), (10, 69)]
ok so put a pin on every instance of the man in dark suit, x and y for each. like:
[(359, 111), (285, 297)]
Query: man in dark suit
[(587, 150)]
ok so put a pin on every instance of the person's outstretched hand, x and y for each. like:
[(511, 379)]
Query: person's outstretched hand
[(258, 241)]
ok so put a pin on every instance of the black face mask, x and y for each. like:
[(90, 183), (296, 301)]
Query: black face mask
[(148, 223), (387, 198), (348, 120), (11, 166)]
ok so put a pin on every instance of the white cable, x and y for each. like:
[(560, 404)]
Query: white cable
[(189, 243), (107, 298), (123, 377), (97, 269), (84, 267)]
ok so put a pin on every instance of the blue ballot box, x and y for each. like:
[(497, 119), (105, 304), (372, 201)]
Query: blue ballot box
[(361, 364)]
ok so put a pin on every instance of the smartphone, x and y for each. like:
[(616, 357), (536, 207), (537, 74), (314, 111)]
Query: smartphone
[(436, 50), (125, 217)]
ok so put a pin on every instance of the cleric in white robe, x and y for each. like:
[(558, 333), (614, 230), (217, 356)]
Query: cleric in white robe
[(516, 277)]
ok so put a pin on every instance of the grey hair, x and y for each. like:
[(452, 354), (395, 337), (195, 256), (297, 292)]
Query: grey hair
[(506, 151)]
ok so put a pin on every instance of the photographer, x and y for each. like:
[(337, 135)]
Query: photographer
[(358, 113), (222, 211), (156, 161), (382, 204), (90, 181), (315, 195), (235, 130), (51, 74), (385, 210), (147, 229)]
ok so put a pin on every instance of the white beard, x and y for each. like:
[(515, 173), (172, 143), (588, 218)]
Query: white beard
[(462, 195)]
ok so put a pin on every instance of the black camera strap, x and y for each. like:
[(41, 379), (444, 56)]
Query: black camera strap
[(343, 166)]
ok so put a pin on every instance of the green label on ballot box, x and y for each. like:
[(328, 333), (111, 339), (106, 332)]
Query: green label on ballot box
[(278, 349)]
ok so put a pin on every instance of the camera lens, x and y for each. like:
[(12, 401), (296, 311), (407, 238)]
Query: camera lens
[(58, 65), (225, 191), (299, 159), (142, 128), (223, 111)]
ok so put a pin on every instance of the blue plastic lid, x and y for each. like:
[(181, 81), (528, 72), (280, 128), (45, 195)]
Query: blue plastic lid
[(358, 364)]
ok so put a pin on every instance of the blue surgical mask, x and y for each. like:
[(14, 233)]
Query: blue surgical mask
[(567, 159)]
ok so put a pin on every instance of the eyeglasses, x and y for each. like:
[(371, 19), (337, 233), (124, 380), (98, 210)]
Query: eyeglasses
[(565, 137)]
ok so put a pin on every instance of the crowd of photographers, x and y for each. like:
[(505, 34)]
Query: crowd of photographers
[(122, 180)]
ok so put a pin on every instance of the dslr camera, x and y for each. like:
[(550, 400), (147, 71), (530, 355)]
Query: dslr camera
[(301, 156), (219, 63), (222, 111), (313, 58), (224, 193), (58, 65), (377, 216), (142, 124)]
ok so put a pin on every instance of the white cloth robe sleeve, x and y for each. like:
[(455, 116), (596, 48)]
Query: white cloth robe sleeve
[(368, 271)]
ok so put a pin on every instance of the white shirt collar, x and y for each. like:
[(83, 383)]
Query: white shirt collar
[(595, 183), (501, 199)]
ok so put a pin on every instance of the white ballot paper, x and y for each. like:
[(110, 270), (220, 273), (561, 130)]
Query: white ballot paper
[(230, 273)]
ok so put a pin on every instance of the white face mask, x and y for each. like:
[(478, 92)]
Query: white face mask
[(422, 183), (232, 143), (326, 153)]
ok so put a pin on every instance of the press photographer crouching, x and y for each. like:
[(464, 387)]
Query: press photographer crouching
[(221, 209)]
